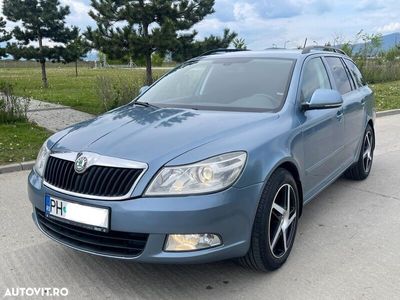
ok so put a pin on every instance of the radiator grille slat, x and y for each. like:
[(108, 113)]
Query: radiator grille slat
[(95, 181)]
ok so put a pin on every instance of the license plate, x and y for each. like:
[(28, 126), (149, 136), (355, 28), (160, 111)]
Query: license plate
[(96, 218)]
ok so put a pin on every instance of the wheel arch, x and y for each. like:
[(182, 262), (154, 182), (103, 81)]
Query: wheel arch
[(371, 123), (293, 169)]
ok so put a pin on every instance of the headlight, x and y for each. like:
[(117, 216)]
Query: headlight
[(210, 175), (41, 159)]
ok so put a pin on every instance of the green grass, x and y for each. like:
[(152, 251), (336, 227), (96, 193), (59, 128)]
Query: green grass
[(387, 95), (80, 92), (20, 142), (64, 88)]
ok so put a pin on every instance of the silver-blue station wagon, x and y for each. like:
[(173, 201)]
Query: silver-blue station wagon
[(214, 161)]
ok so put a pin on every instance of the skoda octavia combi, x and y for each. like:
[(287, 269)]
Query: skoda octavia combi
[(214, 161)]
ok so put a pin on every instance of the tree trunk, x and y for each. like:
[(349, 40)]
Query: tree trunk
[(76, 68), (149, 72), (43, 64), (44, 76)]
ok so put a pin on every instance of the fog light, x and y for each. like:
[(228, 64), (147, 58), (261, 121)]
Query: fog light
[(191, 242)]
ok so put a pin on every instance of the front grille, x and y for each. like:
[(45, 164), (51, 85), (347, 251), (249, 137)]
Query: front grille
[(112, 243), (95, 181)]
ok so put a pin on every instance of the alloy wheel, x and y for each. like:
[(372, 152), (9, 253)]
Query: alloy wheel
[(367, 151), (282, 221)]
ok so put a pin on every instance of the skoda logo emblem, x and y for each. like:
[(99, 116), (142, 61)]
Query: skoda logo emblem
[(80, 163)]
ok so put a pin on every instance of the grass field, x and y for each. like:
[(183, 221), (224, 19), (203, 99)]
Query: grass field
[(81, 92), (64, 88), (20, 142), (387, 95)]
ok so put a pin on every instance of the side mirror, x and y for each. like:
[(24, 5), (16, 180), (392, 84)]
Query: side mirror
[(324, 99), (143, 89)]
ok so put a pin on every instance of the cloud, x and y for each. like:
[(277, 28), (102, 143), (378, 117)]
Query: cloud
[(224, 10), (77, 7), (366, 5), (281, 9), (257, 31), (291, 8), (265, 22), (79, 13), (389, 28), (244, 11)]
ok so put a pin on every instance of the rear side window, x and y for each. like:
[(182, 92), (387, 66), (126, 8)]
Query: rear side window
[(314, 77), (339, 74), (355, 72)]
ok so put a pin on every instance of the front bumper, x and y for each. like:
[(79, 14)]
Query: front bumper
[(229, 213)]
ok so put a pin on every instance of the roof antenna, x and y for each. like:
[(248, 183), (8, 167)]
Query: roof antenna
[(305, 43)]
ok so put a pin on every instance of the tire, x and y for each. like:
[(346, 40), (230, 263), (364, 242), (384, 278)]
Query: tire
[(272, 223), (361, 169)]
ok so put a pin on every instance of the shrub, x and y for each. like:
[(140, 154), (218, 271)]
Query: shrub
[(12, 108), (113, 92), (376, 71)]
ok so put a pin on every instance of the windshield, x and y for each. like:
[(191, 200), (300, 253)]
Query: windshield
[(255, 84)]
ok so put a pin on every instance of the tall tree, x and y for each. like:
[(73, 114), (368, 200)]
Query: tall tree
[(4, 36), (76, 49), (372, 43), (188, 47), (240, 43), (141, 27), (41, 21)]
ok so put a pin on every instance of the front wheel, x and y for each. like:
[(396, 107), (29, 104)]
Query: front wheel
[(275, 224), (361, 169)]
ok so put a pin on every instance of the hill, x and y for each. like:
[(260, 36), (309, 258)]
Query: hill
[(388, 42)]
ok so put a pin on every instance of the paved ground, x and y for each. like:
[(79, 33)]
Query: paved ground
[(348, 247), (54, 117)]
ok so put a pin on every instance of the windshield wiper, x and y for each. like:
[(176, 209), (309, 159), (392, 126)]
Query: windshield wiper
[(145, 104)]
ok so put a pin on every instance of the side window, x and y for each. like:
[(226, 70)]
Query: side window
[(314, 77), (359, 80), (339, 73)]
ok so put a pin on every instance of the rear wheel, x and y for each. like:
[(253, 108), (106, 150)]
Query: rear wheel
[(361, 169), (275, 225)]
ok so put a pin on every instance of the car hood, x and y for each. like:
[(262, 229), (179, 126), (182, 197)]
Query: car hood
[(147, 133)]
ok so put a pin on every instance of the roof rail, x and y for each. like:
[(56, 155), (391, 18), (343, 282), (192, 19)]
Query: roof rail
[(275, 48), (323, 48), (220, 50)]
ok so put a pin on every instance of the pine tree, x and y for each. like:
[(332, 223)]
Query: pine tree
[(189, 47), (239, 43), (139, 28), (42, 20), (76, 49), (4, 36)]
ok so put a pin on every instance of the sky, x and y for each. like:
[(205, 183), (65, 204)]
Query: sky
[(269, 23)]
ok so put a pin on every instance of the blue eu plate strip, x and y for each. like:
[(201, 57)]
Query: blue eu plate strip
[(47, 204)]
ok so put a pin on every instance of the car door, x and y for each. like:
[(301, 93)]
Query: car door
[(352, 105), (355, 114), (322, 130)]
